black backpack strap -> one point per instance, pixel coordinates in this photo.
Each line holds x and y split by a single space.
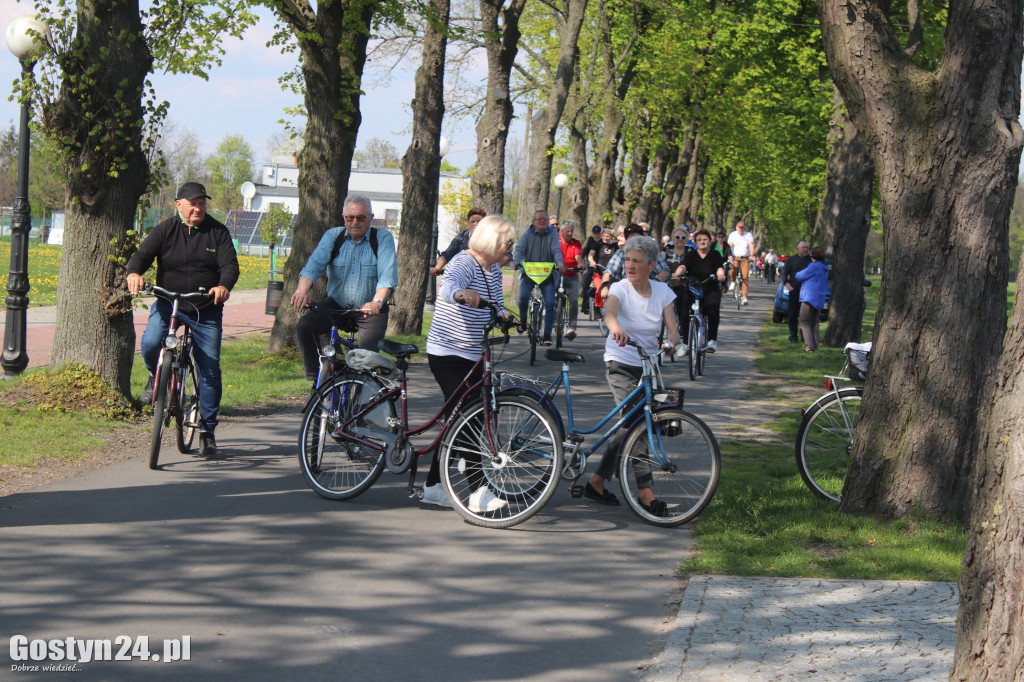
343 235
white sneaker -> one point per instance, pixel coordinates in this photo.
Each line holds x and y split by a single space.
483 501
712 346
744 300
434 494
732 285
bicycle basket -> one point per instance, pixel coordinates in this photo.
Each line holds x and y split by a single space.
363 360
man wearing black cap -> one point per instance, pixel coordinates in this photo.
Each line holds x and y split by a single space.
192 251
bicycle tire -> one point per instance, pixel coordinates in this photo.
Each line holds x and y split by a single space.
559 320
186 417
523 474
824 442
693 341
341 469
536 317
687 482
601 325
702 344
160 393
737 292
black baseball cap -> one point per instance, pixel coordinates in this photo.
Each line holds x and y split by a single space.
191 190
596 229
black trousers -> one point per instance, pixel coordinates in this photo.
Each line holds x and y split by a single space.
448 371
793 316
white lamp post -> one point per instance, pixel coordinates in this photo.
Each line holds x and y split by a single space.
443 147
561 182
23 36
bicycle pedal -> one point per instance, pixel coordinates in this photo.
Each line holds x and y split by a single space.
416 493
576 491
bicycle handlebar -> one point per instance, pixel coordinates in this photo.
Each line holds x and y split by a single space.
172 295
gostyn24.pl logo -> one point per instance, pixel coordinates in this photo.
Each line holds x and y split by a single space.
70 651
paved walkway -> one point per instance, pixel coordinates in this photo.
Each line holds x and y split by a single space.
244 312
747 629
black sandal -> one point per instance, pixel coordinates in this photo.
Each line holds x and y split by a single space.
603 497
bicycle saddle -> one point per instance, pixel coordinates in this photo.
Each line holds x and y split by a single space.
398 350
558 355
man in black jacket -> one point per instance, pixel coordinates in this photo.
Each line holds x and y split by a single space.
192 251
794 265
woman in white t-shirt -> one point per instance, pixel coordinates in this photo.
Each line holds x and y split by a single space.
634 309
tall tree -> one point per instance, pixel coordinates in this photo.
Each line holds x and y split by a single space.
377 153
232 163
568 19
421 173
499 24
946 146
990 623
331 38
90 93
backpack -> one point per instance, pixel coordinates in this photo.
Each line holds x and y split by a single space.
343 235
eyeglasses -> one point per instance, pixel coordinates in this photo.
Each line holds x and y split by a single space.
679 236
509 244
354 218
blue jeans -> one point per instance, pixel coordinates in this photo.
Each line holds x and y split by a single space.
206 333
548 290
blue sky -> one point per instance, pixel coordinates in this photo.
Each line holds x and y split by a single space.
243 97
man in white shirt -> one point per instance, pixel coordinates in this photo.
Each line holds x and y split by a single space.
742 244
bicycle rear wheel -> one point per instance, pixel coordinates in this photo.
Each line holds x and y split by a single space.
824 441
334 466
683 477
186 418
504 484
160 413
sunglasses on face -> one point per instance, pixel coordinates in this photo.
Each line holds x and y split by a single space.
354 218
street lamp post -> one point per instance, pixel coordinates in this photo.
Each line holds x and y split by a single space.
561 182
15 358
431 297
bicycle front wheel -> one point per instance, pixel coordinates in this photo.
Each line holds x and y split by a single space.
682 473
535 327
824 441
693 341
559 321
334 466
500 476
160 395
702 344
186 420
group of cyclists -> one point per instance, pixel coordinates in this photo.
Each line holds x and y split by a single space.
622 273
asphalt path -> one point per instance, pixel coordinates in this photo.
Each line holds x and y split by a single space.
269 581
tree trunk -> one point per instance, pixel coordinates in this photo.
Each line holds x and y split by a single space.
990 624
946 147
421 173
332 77
501 44
579 189
545 126
845 223
693 188
107 173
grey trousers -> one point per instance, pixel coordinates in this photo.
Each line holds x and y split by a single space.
622 379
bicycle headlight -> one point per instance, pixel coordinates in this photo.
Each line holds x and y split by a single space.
171 342
329 351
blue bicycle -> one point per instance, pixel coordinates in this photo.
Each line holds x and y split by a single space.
697 339
665 447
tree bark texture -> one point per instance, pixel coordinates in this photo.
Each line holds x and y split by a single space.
107 173
421 172
946 147
501 43
990 622
579 188
542 139
693 188
845 221
332 41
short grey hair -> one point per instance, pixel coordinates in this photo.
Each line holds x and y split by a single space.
645 245
359 199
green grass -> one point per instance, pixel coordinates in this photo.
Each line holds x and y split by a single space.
765 522
44 263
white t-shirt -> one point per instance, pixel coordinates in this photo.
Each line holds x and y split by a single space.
741 244
640 318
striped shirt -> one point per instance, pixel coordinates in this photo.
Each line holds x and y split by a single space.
457 329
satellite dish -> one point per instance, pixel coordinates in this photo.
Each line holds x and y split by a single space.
248 191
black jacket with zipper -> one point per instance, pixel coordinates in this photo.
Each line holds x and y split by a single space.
188 258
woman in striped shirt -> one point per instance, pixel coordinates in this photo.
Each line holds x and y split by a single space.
455 339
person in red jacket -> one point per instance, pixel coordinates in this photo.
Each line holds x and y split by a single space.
572 256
